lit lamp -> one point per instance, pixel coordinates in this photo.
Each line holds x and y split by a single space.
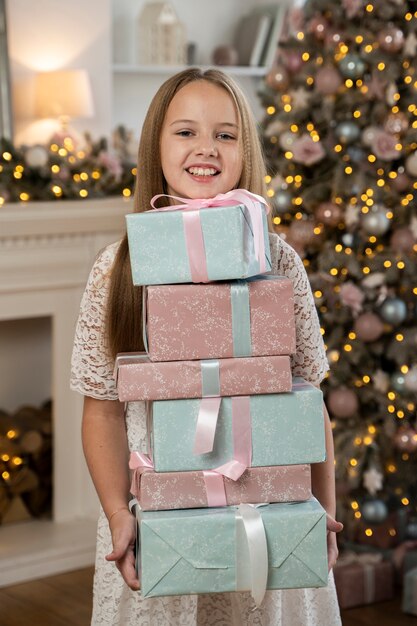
63 94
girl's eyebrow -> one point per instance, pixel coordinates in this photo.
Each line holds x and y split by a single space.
193 122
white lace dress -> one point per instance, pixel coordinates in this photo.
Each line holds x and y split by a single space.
92 368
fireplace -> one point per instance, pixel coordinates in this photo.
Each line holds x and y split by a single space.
46 251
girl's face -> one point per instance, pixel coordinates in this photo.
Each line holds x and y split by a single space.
200 145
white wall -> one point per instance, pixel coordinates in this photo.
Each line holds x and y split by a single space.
56 34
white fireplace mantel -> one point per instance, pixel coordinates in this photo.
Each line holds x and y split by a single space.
46 252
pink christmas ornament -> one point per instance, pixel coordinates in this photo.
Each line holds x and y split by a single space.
277 78
401 182
396 123
383 146
352 7
329 213
402 240
318 26
301 231
391 39
306 151
342 402
368 327
352 296
405 439
292 60
328 80
333 37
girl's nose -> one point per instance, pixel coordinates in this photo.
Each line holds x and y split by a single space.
206 148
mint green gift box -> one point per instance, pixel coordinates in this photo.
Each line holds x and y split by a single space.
287 429
158 251
206 550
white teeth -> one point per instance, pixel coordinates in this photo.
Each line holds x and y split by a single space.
199 171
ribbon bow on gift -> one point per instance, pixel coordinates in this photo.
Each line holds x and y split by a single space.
193 231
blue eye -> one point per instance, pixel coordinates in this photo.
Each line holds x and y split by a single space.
226 136
184 133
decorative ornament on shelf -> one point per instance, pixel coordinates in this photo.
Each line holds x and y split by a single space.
162 36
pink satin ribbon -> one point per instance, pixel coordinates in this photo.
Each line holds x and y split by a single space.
242 439
215 492
193 231
214 483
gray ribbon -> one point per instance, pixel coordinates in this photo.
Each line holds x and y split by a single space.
210 378
239 295
369 583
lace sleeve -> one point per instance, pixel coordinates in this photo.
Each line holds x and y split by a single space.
309 360
91 364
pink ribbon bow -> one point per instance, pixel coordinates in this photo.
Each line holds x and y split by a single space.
213 481
193 231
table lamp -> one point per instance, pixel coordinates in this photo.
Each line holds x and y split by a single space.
63 94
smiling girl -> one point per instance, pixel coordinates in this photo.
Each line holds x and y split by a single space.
199 139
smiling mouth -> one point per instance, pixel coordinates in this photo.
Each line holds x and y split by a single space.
203 171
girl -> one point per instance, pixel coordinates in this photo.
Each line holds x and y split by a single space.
198 139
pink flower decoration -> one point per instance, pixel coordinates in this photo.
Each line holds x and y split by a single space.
307 151
383 145
352 296
352 7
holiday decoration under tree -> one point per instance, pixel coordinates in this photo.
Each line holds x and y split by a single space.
340 135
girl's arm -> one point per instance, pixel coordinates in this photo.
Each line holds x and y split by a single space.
323 487
106 451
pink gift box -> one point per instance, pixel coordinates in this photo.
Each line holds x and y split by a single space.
221 320
188 490
139 378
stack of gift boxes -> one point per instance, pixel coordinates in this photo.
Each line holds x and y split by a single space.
228 428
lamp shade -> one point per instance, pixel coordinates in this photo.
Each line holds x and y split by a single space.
63 93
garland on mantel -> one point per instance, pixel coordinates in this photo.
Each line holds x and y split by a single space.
60 170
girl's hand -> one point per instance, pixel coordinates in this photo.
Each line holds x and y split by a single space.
333 527
123 532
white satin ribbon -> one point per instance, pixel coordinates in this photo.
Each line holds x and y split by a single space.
251 552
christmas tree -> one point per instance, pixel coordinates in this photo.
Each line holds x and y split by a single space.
340 135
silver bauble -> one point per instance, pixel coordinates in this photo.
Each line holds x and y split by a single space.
352 66
397 381
348 132
283 200
36 156
393 311
374 511
375 222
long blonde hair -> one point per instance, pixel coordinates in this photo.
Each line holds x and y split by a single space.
124 308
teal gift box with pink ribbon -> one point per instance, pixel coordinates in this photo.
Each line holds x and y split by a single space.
199 241
246 431
235 548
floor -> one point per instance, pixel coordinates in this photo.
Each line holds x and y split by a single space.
65 600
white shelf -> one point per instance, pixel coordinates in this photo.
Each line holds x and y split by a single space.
30 550
173 69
